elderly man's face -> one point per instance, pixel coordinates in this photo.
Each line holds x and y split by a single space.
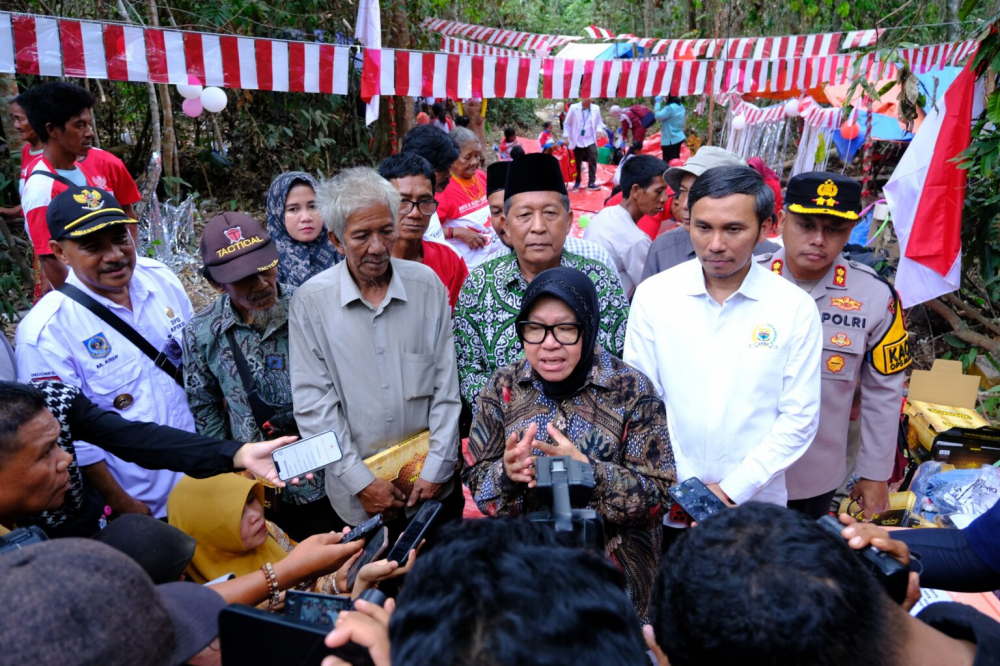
537 225
254 292
369 236
34 474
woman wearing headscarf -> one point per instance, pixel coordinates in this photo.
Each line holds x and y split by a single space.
294 223
225 515
570 397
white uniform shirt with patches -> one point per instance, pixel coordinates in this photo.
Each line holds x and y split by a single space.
61 340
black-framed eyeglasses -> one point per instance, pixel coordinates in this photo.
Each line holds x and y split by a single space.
534 332
426 206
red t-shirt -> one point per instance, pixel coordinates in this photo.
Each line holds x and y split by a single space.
465 205
27 161
448 266
110 174
39 191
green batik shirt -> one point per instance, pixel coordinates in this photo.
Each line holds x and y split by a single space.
215 392
488 306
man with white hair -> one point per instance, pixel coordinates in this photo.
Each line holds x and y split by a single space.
372 355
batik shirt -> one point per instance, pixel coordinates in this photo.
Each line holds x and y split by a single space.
490 302
216 394
618 421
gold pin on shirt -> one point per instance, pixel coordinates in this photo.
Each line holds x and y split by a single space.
170 312
124 401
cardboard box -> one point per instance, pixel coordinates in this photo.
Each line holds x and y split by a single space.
940 399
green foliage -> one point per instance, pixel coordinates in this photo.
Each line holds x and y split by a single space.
520 113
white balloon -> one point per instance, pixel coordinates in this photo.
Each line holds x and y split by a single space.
213 99
188 91
739 122
792 108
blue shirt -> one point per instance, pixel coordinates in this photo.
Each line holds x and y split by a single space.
984 537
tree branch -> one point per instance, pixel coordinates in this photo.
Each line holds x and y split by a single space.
961 329
972 312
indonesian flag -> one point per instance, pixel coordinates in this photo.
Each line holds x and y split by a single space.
926 193
368 31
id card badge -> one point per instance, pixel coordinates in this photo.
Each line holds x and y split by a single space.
582 132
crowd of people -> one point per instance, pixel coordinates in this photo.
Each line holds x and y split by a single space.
430 296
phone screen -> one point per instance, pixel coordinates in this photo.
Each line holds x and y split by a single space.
374 548
307 455
318 609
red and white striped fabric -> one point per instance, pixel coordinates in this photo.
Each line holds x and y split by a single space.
922 59
36 45
6 45
125 50
861 38
497 36
596 32
464 46
413 73
83 49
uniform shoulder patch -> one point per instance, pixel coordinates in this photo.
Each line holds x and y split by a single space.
892 353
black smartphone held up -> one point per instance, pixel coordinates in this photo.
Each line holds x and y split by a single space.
894 576
376 546
307 455
414 532
364 528
277 639
318 609
696 499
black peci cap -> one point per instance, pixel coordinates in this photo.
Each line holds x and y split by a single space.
536 172
496 177
78 211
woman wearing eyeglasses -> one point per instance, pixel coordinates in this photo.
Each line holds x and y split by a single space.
413 178
570 397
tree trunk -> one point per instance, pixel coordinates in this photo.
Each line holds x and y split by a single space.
8 91
399 37
951 16
648 11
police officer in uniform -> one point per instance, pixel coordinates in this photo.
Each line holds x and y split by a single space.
61 339
865 343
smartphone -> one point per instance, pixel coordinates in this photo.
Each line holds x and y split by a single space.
307 455
414 532
277 639
318 609
696 499
372 552
364 528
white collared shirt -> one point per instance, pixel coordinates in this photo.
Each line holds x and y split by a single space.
63 341
741 380
614 229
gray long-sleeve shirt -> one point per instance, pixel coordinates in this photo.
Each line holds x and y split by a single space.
376 374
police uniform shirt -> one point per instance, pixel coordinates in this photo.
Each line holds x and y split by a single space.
864 340
61 340
740 380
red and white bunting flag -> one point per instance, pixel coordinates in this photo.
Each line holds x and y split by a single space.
83 49
861 38
165 56
36 45
926 193
597 32
125 50
6 45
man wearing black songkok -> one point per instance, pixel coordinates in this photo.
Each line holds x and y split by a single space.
537 222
